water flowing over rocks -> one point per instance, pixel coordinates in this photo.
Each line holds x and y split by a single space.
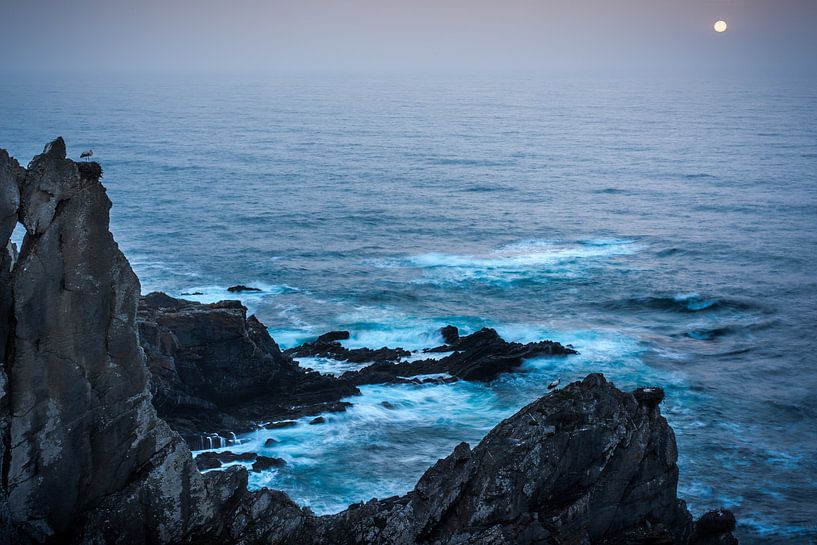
86 459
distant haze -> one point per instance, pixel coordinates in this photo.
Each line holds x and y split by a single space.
447 35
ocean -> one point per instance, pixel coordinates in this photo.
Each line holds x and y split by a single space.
667 229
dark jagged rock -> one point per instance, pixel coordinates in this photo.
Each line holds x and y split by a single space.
651 396
86 459
450 333
214 368
210 460
265 462
715 528
11 177
333 336
481 356
317 420
86 452
241 288
204 463
327 346
270 442
587 464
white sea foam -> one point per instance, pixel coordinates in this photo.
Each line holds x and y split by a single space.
526 260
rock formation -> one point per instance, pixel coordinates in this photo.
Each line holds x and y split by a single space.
86 459
481 356
214 370
85 456
328 346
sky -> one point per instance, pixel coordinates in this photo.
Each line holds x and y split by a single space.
764 36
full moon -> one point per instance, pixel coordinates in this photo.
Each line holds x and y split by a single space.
720 26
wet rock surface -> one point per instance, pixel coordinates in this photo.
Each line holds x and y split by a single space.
210 460
328 346
450 334
586 464
213 368
262 463
86 459
715 528
481 356
240 288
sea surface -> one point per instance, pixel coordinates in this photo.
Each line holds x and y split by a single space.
665 228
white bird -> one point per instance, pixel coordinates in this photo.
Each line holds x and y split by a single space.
87 153
554 384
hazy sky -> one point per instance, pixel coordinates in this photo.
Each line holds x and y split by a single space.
270 35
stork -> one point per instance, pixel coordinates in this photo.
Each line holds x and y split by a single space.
86 154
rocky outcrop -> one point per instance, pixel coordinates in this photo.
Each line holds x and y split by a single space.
481 356
216 371
715 528
86 459
450 334
586 464
328 346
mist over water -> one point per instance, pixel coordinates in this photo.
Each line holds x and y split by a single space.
666 229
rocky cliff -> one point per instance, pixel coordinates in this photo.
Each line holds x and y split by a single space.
216 372
86 459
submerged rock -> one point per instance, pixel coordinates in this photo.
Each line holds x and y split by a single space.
241 288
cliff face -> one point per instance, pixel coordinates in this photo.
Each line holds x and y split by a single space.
84 444
86 459
215 370
10 179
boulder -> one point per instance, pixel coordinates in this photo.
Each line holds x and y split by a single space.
715 528
265 462
450 334
649 396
